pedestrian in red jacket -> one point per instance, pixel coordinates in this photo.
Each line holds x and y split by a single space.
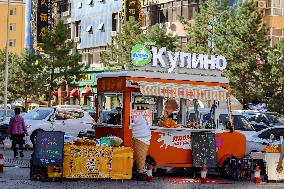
17 131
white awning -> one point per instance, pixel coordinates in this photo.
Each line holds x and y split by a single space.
183 91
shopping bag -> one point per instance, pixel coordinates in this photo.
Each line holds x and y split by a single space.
7 143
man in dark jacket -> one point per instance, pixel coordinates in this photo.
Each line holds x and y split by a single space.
17 130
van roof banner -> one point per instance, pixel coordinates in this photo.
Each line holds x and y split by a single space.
183 91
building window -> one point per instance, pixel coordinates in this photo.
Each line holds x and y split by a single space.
96 57
275 8
89 28
90 59
79 5
77 28
12 43
12 11
12 27
114 21
101 27
90 2
277 32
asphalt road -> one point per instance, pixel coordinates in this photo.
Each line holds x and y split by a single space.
16 176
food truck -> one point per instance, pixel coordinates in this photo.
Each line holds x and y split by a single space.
124 95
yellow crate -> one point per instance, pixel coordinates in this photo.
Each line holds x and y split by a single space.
122 162
54 174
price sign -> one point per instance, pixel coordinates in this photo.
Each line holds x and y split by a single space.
49 148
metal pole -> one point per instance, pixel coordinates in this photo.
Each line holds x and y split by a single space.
6 63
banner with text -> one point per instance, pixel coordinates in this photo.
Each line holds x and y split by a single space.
44 18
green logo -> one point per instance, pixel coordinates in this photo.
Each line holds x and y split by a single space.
140 55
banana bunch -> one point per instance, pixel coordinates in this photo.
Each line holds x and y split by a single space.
84 142
270 149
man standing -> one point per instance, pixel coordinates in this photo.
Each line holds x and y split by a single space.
17 131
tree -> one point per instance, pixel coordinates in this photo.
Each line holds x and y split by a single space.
272 78
118 54
236 32
14 74
161 38
33 79
56 59
24 78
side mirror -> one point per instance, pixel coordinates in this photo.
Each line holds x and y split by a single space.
229 126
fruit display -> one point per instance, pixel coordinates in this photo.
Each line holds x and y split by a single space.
270 149
84 142
168 123
193 125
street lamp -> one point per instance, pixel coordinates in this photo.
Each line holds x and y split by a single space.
6 64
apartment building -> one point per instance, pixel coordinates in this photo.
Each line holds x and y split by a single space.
166 13
16 25
274 18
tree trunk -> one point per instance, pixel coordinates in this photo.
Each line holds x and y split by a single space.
26 102
51 86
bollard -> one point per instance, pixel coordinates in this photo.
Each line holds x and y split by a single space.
203 172
149 173
1 163
256 177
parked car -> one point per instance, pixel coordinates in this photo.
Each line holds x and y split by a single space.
92 113
261 120
241 124
258 141
10 113
69 120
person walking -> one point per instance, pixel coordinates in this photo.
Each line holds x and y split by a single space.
17 131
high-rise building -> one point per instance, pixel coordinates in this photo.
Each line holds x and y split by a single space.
274 18
92 25
166 13
16 25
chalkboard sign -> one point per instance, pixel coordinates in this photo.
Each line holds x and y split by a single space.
49 148
204 149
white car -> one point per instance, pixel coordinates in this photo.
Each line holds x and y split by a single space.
258 141
69 120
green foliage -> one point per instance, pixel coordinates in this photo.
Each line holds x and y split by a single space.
237 33
118 54
24 79
272 78
14 75
56 60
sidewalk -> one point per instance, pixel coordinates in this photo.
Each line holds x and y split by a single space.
16 176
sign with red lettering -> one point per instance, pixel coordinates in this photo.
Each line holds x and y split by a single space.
111 84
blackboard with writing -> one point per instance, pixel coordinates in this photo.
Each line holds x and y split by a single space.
49 148
204 149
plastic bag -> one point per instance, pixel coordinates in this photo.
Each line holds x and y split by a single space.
115 141
7 143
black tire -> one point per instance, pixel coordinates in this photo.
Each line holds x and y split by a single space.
33 136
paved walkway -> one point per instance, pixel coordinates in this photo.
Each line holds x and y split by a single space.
16 176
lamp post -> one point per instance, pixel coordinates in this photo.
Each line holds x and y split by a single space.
6 64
